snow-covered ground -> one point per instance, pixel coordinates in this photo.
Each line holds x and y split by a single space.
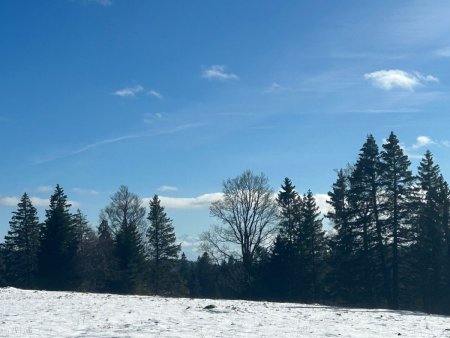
25 313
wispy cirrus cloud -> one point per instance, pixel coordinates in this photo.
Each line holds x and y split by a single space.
44 188
176 129
218 72
129 91
396 78
151 118
274 88
106 141
83 191
173 130
156 94
443 52
104 3
164 188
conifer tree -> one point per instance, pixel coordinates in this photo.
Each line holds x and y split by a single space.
445 198
342 242
22 244
397 190
289 203
365 196
59 244
284 261
87 243
431 232
163 248
105 260
365 238
312 248
206 278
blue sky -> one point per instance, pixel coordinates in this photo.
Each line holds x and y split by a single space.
172 97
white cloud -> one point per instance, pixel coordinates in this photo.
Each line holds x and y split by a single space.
176 129
218 72
107 141
396 78
199 202
44 188
150 118
37 201
104 3
443 52
9 201
205 200
156 94
82 191
321 201
167 188
422 141
129 91
274 87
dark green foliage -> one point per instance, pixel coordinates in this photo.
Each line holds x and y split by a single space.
432 221
206 277
289 203
87 245
59 245
396 181
389 245
21 245
283 273
312 249
162 247
106 274
368 227
2 266
342 275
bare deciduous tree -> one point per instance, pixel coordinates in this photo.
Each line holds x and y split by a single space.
247 213
124 210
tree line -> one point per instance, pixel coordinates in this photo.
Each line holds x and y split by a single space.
388 244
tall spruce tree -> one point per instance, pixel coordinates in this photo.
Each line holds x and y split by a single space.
444 196
431 232
341 278
289 203
162 245
87 243
367 194
59 245
397 182
284 265
22 244
360 203
105 260
312 248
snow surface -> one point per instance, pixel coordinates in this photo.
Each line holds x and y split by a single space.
27 313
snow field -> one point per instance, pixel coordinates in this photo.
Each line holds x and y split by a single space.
28 313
